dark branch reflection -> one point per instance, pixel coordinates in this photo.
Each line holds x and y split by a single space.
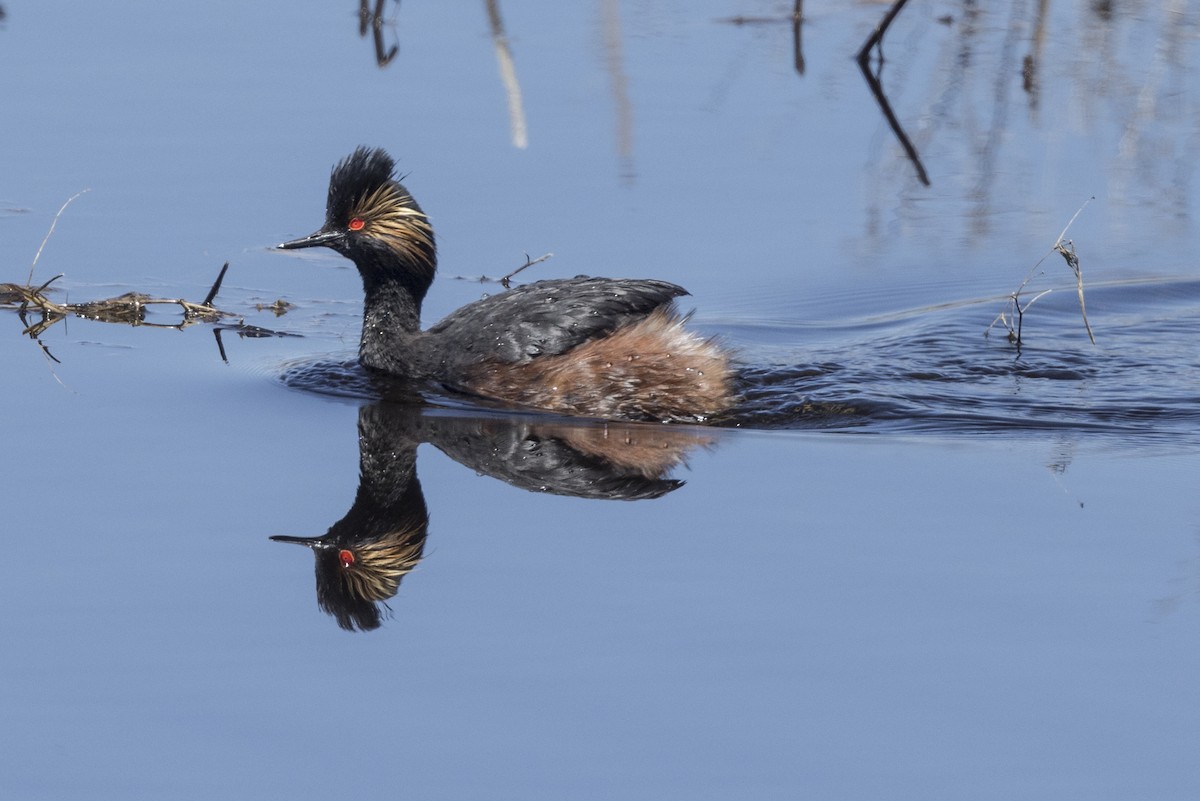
795 19
362 559
370 20
797 37
874 79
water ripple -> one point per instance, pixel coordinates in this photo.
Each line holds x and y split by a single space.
931 370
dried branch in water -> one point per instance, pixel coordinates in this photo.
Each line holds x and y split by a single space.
1012 316
216 287
129 309
506 281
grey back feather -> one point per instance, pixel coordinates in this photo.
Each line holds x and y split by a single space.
549 317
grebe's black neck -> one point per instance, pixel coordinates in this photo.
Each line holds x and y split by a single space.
391 320
371 219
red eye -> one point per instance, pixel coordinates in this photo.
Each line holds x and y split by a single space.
346 558
356 224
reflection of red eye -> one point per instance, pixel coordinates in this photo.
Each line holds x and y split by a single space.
356 224
346 557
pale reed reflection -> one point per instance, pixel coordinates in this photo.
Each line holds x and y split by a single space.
610 14
508 75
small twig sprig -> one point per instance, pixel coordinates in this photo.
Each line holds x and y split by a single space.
1013 315
506 281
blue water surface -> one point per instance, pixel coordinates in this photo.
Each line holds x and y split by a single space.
918 563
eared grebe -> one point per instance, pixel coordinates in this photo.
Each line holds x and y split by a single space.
601 347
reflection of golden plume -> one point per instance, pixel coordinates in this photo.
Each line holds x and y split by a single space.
374 569
359 567
362 559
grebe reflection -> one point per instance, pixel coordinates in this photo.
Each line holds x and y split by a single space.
362 559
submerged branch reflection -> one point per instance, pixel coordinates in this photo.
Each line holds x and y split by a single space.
372 20
1033 59
361 560
874 80
795 19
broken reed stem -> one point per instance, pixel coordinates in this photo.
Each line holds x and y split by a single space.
46 238
1068 253
216 287
1072 221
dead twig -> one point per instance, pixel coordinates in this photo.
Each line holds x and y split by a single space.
216 287
506 281
1013 315
129 308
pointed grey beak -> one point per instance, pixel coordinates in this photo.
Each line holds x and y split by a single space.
310 542
319 239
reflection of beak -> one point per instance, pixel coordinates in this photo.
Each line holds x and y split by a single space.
312 542
319 239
